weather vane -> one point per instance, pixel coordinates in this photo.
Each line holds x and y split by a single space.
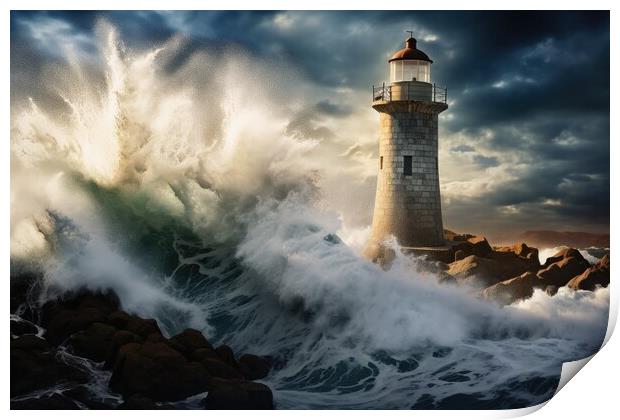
410 34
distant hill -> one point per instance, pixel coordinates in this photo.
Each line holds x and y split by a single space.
551 238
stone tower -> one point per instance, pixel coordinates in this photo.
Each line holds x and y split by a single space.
407 202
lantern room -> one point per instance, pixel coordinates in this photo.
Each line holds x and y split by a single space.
410 64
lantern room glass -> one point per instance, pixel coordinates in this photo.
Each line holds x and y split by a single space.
409 70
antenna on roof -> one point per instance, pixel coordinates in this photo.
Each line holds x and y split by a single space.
410 34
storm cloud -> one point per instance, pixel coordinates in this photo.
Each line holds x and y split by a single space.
524 144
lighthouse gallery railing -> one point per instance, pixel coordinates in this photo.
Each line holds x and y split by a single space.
384 93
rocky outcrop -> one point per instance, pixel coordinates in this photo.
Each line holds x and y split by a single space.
509 291
559 269
147 368
34 366
593 277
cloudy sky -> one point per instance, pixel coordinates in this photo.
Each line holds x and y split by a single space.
524 144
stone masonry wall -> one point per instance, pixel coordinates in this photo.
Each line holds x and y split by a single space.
408 206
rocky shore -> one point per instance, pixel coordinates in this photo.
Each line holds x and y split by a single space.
144 369
82 351
506 274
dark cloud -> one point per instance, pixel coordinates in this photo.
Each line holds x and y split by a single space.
537 81
462 148
485 161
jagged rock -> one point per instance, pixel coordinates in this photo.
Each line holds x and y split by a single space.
475 271
75 312
142 327
48 402
189 341
480 246
562 267
226 394
253 367
227 355
95 343
562 254
597 275
219 369
509 291
157 371
118 319
34 366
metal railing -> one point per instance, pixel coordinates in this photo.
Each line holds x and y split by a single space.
384 93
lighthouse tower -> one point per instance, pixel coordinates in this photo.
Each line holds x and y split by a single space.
407 202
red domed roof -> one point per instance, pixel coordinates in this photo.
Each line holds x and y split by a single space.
410 52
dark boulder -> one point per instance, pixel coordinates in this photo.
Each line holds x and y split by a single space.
95 343
253 367
75 312
219 369
34 366
189 341
226 394
142 327
118 319
593 277
227 355
158 371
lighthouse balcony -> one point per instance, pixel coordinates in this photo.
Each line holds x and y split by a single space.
409 91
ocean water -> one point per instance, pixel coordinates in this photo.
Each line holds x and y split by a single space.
203 213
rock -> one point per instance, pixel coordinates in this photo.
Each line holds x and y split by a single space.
190 340
118 319
219 369
142 327
480 246
157 371
225 394
459 255
564 253
21 327
140 402
475 271
48 402
203 353
509 291
34 366
593 277
562 267
95 343
75 312
253 367
227 355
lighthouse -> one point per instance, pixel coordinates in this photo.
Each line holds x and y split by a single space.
407 200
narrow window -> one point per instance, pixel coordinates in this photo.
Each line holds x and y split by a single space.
407 168
381 162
